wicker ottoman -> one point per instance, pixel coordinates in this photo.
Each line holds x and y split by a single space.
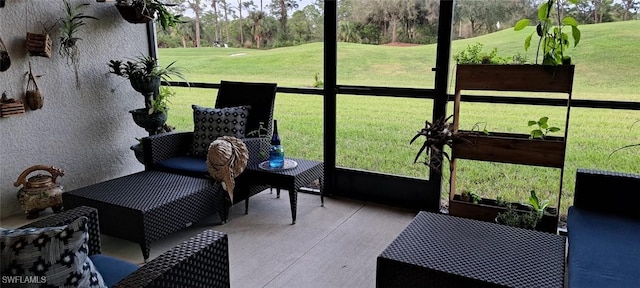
149 205
438 250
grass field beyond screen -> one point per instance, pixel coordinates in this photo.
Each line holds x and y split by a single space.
374 132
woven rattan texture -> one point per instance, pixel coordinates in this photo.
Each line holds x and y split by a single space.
66 217
202 261
149 205
165 146
454 250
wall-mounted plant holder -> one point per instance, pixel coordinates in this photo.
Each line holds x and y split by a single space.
39 44
33 96
10 107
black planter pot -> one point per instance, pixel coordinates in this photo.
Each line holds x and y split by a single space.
137 150
133 14
152 122
145 85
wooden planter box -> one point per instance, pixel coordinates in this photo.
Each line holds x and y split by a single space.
535 78
39 44
511 148
488 210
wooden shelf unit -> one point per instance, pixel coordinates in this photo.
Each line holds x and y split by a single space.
508 147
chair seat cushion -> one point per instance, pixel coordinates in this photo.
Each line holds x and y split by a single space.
113 270
604 250
188 165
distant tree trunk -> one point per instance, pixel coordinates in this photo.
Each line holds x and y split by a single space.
226 20
216 25
196 10
240 22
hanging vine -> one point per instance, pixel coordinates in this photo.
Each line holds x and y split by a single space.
71 25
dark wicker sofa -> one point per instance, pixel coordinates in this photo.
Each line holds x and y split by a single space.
202 261
604 230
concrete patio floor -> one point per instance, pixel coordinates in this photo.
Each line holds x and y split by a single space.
331 246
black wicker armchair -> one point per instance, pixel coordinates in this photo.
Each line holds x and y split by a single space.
202 261
170 152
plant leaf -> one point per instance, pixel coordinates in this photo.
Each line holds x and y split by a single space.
536 133
568 20
527 42
543 11
574 1
543 120
576 35
521 24
531 122
554 129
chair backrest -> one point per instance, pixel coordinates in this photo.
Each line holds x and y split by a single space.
260 96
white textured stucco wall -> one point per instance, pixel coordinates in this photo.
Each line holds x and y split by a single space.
85 131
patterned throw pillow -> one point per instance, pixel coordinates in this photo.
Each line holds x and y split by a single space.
211 123
48 257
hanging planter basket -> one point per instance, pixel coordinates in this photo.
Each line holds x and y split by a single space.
5 61
39 44
33 96
134 14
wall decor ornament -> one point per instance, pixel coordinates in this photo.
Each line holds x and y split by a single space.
10 107
33 96
39 44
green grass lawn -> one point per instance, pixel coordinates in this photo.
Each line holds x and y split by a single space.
374 132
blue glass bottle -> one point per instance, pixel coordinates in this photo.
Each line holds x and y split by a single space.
276 152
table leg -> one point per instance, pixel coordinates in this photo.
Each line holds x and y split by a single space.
321 192
293 200
145 251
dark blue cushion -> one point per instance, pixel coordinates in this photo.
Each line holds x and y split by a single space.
604 249
112 269
184 165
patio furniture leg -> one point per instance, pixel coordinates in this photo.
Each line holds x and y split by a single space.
321 192
145 250
277 192
293 200
246 206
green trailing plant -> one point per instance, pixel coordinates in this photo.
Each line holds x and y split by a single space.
627 146
542 128
521 219
553 41
537 205
155 9
145 67
160 102
70 26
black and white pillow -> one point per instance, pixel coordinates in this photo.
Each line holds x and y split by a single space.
51 257
211 123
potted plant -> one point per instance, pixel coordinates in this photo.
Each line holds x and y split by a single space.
143 11
145 76
71 24
552 42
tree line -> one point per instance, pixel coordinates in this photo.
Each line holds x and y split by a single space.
277 23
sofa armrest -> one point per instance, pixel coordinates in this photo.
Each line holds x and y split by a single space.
202 261
68 216
594 189
164 146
